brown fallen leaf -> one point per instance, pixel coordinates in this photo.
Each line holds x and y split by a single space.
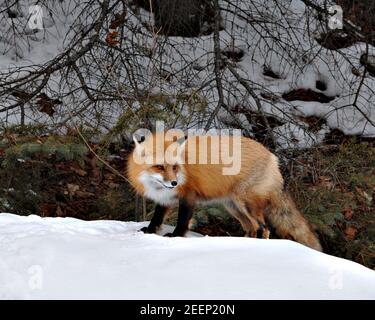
350 233
111 38
118 21
46 104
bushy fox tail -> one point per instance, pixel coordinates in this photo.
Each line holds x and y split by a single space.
289 223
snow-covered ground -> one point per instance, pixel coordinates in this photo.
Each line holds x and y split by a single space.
53 258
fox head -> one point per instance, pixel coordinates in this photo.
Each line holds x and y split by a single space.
163 175
159 167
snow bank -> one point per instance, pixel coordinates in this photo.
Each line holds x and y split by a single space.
65 258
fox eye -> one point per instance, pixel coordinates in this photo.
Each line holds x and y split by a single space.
159 167
174 167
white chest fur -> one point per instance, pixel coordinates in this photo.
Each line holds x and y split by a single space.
156 192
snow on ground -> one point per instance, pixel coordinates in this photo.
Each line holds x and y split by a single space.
52 258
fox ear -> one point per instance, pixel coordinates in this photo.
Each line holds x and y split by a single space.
135 140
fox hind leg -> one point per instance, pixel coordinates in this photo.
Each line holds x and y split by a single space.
239 211
257 207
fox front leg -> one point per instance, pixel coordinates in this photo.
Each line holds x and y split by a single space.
185 212
157 219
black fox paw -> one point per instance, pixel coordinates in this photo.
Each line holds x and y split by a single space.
173 235
147 230
169 234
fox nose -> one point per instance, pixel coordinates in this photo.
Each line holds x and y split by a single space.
174 183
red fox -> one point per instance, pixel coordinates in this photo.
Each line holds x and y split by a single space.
255 196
